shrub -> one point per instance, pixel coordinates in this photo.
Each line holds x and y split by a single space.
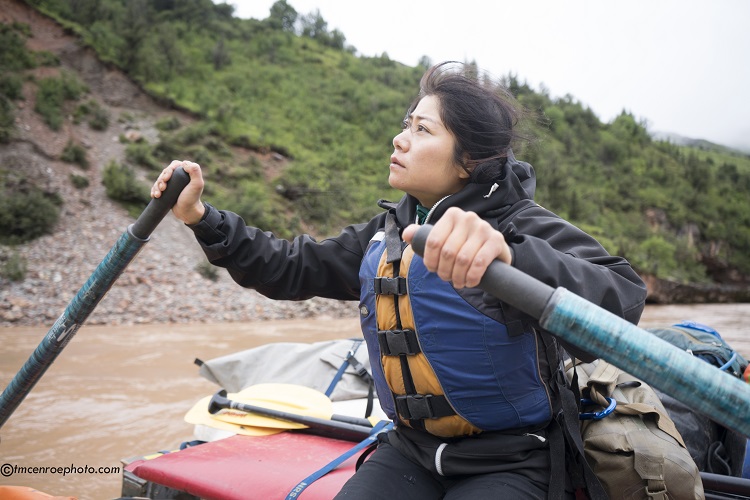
12 266
126 118
46 58
208 271
52 94
167 148
99 119
199 154
75 153
254 204
27 214
49 103
82 111
11 86
121 185
7 120
79 181
169 123
14 55
72 88
140 153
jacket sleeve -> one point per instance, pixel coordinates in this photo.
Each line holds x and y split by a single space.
282 269
561 255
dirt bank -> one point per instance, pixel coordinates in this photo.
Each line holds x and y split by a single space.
162 284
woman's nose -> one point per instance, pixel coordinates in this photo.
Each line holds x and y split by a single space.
400 142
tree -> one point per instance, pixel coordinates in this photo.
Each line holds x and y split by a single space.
220 55
283 16
85 12
314 26
336 39
134 29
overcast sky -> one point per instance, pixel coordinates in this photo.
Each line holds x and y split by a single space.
682 66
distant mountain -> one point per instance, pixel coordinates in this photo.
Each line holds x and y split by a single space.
681 140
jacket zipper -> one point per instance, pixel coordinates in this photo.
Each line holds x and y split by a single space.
427 217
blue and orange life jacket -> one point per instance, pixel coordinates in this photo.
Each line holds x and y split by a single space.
441 363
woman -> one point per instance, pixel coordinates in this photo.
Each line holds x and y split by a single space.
467 380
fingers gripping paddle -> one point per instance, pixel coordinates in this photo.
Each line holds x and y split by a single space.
90 294
698 384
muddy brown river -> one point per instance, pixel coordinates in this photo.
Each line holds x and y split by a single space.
120 392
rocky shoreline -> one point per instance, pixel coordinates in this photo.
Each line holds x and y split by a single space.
161 285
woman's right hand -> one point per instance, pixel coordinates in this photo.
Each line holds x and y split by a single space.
189 207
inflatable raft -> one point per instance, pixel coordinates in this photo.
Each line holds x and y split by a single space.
240 455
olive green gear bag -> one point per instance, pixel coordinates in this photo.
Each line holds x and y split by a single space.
629 440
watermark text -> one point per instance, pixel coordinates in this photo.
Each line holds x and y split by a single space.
8 469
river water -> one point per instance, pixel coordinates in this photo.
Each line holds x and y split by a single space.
121 392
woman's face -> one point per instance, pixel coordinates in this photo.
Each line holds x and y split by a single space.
422 163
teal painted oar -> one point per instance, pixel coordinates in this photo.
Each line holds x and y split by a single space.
699 385
87 298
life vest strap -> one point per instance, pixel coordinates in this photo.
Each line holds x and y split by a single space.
390 286
423 406
398 342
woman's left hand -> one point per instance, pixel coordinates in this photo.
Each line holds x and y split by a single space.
461 246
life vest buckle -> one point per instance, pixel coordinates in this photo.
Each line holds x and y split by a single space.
398 342
423 406
390 286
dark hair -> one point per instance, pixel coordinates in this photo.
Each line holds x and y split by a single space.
482 118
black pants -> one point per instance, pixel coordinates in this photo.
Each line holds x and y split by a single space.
389 475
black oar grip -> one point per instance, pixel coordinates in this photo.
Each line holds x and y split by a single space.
505 282
158 208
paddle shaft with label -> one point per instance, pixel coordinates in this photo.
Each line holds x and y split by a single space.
91 293
699 385
330 428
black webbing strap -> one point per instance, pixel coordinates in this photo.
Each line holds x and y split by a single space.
567 457
423 406
572 432
394 249
364 375
397 342
392 238
390 286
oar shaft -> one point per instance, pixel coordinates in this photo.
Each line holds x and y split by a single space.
331 428
352 420
694 382
88 297
699 385
66 326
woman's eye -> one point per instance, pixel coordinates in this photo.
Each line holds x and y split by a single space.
408 124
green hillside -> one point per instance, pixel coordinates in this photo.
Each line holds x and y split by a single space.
287 85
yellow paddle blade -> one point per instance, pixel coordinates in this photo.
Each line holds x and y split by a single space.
198 415
289 398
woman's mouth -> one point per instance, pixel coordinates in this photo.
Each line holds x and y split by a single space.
395 162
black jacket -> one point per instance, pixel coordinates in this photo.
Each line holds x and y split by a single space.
543 246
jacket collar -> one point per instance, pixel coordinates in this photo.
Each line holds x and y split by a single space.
517 182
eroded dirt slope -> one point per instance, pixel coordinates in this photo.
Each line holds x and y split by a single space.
162 284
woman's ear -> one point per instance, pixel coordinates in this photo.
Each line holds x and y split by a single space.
464 172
